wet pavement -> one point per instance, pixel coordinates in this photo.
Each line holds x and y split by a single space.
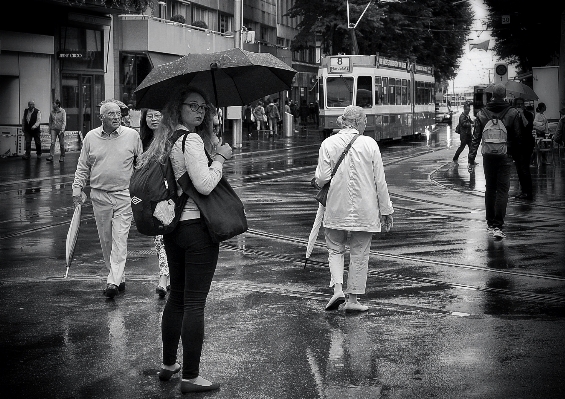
452 313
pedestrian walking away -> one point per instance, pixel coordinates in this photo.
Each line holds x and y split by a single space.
559 136
499 140
30 126
260 116
358 203
150 120
57 124
191 253
465 131
273 115
524 152
107 159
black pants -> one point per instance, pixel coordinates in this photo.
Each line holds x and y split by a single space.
192 258
465 141
521 158
35 135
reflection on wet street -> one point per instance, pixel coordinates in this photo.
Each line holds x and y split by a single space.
452 313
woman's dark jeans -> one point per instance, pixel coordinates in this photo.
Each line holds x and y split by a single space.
192 258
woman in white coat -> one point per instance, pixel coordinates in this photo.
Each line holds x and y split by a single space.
358 202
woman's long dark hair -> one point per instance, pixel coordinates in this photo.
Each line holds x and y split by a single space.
161 145
145 132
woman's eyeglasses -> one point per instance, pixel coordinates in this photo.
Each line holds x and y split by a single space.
195 107
154 116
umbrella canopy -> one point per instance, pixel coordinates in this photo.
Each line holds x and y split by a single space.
516 89
72 236
231 77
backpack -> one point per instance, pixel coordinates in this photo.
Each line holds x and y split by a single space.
272 111
151 184
495 135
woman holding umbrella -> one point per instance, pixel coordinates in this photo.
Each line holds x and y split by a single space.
191 253
358 203
150 119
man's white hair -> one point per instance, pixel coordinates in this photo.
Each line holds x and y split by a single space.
352 117
107 106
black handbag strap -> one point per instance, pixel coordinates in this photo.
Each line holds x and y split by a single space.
343 155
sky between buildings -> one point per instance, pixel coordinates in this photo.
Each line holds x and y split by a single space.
476 65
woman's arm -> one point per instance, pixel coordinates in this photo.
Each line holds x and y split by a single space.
204 177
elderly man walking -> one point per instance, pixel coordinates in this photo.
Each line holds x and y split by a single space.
497 165
107 157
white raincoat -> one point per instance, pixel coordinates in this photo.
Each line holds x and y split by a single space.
358 193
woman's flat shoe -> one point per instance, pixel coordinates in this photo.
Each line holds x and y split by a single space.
161 291
355 307
165 375
335 301
187 387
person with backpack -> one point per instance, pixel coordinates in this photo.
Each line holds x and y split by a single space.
186 138
273 116
149 122
465 127
498 130
107 158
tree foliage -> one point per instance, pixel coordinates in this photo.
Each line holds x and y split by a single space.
127 5
532 37
430 32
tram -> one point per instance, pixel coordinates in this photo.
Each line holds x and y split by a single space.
398 97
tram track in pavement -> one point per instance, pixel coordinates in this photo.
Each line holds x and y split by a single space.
285 290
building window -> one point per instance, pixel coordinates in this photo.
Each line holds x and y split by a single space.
134 67
225 23
206 15
81 48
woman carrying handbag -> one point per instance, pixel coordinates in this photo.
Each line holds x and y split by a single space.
191 253
357 203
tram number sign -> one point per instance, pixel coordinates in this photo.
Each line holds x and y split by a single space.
505 19
340 64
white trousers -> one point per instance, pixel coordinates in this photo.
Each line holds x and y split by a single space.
359 246
113 214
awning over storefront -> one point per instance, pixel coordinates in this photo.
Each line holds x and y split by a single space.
161 58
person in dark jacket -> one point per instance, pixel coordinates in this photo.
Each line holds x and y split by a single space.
524 152
31 129
465 134
497 167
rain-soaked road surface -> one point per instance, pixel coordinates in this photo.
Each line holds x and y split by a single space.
453 314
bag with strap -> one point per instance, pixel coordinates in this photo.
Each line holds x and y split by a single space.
222 210
495 135
458 129
154 201
322 196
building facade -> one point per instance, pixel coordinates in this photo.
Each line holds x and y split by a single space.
82 52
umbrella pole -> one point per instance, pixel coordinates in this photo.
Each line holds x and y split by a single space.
214 85
67 272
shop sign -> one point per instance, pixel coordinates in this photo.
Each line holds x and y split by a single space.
71 55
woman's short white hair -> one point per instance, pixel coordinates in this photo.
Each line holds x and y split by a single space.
352 117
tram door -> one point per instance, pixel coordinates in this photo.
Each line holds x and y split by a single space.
81 94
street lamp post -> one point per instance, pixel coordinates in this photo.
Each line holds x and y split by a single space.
237 114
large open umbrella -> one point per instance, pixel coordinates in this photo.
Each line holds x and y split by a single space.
516 89
231 77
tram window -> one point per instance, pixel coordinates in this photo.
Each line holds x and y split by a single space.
391 83
378 90
409 89
398 92
404 92
385 91
364 98
339 91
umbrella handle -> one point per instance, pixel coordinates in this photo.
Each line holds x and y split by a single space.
305 262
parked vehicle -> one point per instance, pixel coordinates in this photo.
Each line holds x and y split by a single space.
444 114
